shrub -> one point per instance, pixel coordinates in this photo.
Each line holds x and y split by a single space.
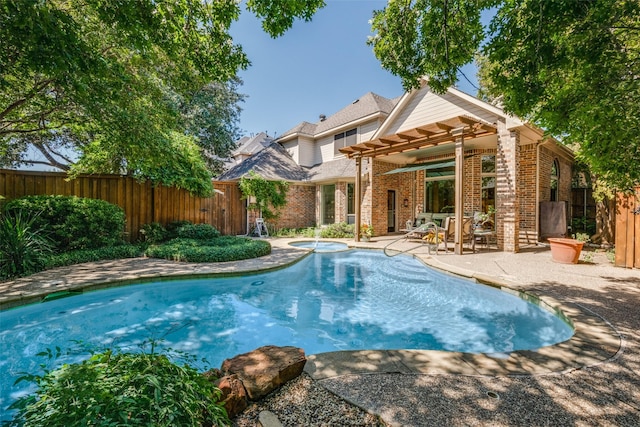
23 246
91 255
198 231
154 233
226 248
174 226
294 232
74 222
337 230
110 389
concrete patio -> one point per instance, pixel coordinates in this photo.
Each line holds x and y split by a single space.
592 379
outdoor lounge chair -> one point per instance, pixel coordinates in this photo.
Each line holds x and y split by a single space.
428 233
419 232
467 232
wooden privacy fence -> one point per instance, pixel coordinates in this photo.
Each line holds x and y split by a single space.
628 230
142 203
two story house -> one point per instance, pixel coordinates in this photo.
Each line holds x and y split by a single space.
389 162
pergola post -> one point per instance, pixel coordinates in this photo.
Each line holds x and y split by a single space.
458 134
358 196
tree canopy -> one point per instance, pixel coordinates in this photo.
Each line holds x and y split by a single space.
572 67
137 87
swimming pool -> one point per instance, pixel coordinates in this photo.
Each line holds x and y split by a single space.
351 300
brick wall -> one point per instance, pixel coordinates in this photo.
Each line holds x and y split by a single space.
402 184
299 212
527 185
472 184
547 157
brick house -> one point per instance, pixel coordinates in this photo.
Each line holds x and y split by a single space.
420 153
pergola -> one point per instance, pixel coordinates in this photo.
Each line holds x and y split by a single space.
453 130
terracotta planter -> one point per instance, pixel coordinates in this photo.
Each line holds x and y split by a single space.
565 251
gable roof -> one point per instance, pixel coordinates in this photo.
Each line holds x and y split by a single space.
454 96
303 128
369 104
272 163
251 145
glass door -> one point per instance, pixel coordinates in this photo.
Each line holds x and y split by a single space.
328 204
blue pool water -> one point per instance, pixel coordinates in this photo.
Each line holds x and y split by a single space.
328 301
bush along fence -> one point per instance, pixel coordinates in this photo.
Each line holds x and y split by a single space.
142 203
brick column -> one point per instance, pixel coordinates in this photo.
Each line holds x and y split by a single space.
507 202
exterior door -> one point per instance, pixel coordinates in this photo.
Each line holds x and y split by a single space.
328 204
391 211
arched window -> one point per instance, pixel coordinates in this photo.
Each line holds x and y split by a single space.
555 178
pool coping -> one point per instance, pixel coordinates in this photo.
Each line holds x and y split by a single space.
595 341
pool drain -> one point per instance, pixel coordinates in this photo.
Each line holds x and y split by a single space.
493 395
258 283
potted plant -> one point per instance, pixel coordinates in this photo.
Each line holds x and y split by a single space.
565 250
366 232
484 221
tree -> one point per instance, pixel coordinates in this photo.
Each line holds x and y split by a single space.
107 79
572 67
211 116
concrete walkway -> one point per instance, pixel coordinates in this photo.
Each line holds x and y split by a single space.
592 379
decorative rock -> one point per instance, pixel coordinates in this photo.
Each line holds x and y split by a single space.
268 419
266 368
234 396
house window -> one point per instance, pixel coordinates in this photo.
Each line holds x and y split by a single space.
439 187
439 195
555 177
351 204
488 183
344 139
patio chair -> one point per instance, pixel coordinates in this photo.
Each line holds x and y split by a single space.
467 232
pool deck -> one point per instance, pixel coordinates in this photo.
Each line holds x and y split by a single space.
591 379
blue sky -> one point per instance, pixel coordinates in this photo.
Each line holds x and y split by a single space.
315 68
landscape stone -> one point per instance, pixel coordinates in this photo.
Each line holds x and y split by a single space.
266 368
234 396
